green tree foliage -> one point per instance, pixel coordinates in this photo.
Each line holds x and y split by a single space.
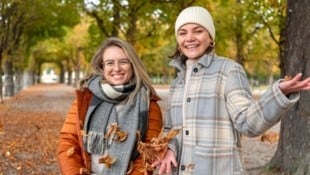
48 18
25 22
76 42
148 25
247 31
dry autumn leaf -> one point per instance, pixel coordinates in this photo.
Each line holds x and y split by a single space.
156 149
115 133
83 132
70 151
1 128
287 77
120 136
107 160
112 128
130 169
84 171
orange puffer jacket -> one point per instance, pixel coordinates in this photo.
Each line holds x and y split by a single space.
72 159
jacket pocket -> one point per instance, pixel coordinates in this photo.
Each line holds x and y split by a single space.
217 160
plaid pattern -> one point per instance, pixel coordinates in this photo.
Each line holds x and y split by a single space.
215 108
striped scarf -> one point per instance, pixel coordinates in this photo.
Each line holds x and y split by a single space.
104 110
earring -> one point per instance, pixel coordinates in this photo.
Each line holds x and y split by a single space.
212 44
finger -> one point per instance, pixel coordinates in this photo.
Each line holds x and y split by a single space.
298 76
307 81
162 168
302 85
174 162
156 163
294 79
168 168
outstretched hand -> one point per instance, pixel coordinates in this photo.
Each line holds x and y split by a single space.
295 84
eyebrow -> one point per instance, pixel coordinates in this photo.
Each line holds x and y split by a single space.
109 59
196 27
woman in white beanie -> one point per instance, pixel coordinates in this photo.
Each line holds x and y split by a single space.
210 100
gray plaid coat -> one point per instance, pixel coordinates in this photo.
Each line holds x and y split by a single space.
215 108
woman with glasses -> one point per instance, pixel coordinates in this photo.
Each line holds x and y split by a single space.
115 106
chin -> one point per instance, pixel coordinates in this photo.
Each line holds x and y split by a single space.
120 83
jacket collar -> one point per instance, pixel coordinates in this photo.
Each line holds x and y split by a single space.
205 60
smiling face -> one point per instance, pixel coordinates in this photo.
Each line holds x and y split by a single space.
193 40
117 68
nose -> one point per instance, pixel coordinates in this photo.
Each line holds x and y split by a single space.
189 37
116 66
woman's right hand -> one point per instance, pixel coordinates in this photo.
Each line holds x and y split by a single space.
294 84
164 165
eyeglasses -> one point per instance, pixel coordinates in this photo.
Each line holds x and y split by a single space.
121 62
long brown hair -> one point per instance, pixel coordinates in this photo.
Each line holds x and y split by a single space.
140 75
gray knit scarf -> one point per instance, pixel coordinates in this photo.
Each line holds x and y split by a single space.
102 112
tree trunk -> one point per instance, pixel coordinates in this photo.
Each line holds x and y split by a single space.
69 81
8 79
1 87
19 79
62 73
293 153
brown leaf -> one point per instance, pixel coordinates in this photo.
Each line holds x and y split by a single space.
191 166
112 129
120 136
12 145
156 149
107 160
130 169
70 151
287 77
83 132
84 171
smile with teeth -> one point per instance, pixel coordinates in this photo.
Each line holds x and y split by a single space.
117 76
192 46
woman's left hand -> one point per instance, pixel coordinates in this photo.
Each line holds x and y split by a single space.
295 84
165 164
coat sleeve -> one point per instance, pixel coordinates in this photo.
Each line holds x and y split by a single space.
250 117
155 126
69 151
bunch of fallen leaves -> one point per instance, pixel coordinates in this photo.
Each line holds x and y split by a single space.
114 133
156 148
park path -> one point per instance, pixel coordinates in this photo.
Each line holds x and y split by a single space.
29 126
31 120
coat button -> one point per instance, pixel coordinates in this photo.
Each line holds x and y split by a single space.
186 132
188 99
182 167
195 69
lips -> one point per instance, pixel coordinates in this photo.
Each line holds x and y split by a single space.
118 76
192 46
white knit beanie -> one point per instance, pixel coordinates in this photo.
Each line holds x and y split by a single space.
197 15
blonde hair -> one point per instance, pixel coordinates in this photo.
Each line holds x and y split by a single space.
140 75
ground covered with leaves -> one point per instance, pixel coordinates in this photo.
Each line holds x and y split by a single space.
29 126
30 123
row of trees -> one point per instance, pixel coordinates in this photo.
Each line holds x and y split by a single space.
67 32
23 24
268 37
